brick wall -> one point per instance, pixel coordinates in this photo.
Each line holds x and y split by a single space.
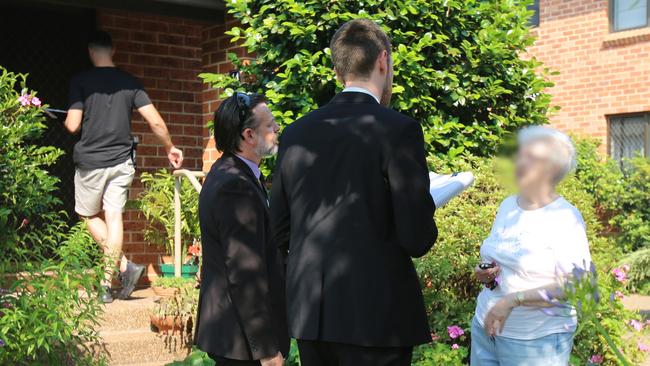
601 73
166 54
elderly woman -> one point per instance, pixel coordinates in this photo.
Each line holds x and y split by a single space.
537 239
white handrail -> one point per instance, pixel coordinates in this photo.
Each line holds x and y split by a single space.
178 176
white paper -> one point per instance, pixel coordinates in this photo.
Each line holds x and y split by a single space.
445 187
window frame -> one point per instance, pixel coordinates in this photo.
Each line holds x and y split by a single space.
612 17
535 7
621 117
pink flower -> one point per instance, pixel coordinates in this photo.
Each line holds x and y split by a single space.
25 99
643 347
455 331
637 325
36 102
596 359
619 295
455 346
625 267
620 274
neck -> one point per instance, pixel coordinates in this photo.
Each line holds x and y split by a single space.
104 63
368 85
251 156
535 198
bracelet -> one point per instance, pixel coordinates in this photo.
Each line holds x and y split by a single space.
519 296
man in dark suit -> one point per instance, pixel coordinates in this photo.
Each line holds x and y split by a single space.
350 206
241 319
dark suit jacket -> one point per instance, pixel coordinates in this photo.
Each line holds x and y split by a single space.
350 206
242 300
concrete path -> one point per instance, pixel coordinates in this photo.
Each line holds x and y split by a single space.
128 339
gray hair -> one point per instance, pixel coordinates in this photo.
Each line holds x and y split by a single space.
565 151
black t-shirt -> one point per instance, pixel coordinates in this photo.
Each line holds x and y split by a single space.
107 96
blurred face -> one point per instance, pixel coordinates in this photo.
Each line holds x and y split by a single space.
266 132
535 168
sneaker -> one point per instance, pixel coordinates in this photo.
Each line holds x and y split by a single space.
105 295
129 279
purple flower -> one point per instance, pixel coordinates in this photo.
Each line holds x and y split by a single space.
596 359
25 99
455 346
455 331
643 347
637 325
2 343
36 102
620 274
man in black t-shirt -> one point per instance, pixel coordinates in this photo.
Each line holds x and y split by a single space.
101 102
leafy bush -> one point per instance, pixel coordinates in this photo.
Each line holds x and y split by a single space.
457 63
173 282
48 275
157 205
450 288
639 275
622 196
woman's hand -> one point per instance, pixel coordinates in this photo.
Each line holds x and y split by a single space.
487 275
496 317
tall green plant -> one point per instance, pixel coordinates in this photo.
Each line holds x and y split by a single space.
458 64
48 274
157 205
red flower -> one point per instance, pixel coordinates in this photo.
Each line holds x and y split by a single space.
195 250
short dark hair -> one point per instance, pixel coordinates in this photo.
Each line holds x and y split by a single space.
356 46
228 125
100 39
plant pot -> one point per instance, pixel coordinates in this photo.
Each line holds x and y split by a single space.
166 324
187 270
165 291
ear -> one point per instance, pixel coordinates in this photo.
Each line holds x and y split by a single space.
339 78
247 134
382 62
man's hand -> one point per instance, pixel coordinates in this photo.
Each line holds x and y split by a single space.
487 275
497 316
175 157
276 360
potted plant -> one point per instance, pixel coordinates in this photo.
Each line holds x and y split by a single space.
157 205
175 314
190 266
170 286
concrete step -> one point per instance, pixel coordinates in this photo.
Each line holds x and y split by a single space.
127 338
133 347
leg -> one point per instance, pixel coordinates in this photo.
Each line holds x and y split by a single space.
114 240
316 353
551 350
483 351
351 355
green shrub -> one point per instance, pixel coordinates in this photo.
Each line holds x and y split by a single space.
157 204
48 274
458 68
450 288
639 274
173 282
622 196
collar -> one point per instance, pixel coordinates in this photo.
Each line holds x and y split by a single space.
253 167
357 89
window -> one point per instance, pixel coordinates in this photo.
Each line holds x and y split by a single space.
629 135
628 14
534 19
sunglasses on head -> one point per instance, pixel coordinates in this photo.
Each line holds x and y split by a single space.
243 106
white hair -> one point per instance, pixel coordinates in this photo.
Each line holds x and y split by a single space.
565 151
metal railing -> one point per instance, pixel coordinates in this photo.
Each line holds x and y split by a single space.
193 177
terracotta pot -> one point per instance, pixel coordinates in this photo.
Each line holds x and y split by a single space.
165 291
166 324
